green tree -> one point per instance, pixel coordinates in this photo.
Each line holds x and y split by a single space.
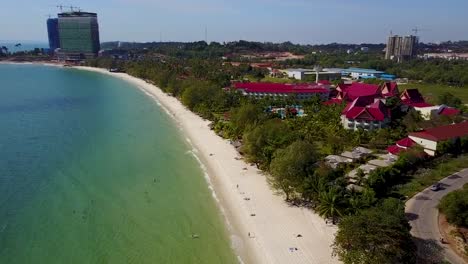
246 115
375 235
320 181
455 207
261 143
449 99
330 204
291 166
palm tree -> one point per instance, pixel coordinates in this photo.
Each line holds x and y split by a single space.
329 206
355 204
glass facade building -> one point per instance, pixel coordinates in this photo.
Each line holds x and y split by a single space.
78 34
53 34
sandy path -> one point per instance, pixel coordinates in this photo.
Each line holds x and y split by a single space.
275 225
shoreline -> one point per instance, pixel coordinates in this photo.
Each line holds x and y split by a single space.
275 224
262 227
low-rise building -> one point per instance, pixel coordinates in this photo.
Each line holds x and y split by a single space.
431 137
334 160
412 99
311 74
446 56
359 73
433 111
356 154
381 162
302 91
350 92
400 146
389 89
365 113
365 168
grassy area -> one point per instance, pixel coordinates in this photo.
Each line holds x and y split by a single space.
424 178
432 91
278 80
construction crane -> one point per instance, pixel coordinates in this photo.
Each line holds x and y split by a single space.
416 30
60 7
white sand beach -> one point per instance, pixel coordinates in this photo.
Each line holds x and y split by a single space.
245 198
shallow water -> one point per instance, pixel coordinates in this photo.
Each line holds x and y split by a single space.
93 171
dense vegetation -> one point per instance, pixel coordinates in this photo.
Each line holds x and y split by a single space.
291 149
455 207
376 235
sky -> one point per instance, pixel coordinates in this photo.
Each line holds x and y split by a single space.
298 21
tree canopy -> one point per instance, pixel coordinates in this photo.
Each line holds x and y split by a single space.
455 207
291 166
376 235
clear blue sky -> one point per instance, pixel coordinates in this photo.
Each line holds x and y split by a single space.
299 21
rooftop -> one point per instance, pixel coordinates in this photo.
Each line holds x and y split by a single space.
300 70
395 150
443 132
381 163
350 92
77 14
363 108
252 87
448 111
405 143
360 70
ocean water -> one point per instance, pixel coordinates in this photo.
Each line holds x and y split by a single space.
93 171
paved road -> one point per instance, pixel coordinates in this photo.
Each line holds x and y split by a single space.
422 213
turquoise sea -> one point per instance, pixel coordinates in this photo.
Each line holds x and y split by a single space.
93 171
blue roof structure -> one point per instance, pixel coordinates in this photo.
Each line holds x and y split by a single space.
360 70
388 77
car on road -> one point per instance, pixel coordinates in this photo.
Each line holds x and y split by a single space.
436 187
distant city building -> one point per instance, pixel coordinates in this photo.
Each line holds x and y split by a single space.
79 35
446 56
53 34
401 48
115 54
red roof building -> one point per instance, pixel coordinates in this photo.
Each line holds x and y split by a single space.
401 145
448 111
350 92
389 89
430 111
413 98
366 113
430 137
405 143
395 150
301 91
